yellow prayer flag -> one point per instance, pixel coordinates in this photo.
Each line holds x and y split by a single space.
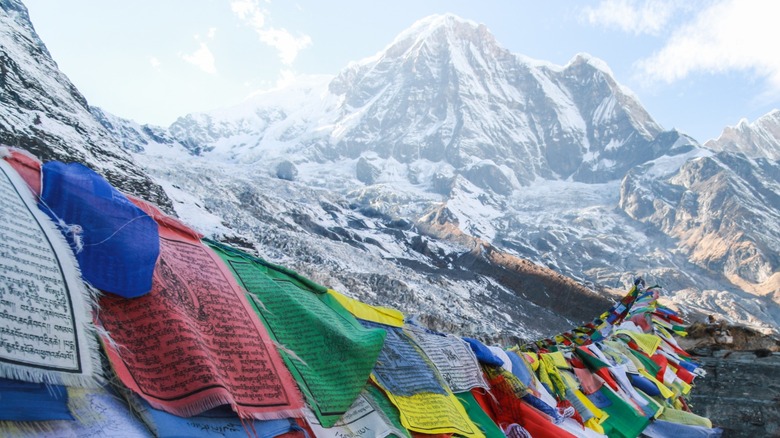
432 414
600 415
665 392
594 424
683 417
646 341
381 315
559 360
532 359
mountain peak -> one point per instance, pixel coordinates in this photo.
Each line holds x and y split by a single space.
586 58
431 24
445 30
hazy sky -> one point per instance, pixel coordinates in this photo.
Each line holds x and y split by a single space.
696 65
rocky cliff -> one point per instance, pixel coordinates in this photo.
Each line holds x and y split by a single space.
741 392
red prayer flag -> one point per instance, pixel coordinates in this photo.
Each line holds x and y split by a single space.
194 342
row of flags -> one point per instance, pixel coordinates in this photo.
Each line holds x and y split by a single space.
117 319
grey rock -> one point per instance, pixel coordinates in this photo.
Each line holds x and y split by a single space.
366 172
286 170
489 177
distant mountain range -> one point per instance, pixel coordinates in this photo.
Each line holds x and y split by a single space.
482 191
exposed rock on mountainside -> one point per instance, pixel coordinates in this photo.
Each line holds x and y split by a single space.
722 210
533 281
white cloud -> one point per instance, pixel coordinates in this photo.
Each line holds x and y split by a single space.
250 12
155 63
633 16
729 35
211 33
283 41
202 58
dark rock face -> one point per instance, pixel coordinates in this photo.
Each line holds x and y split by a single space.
740 393
366 172
489 177
530 282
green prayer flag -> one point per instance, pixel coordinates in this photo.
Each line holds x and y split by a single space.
329 353
478 416
652 367
624 421
592 362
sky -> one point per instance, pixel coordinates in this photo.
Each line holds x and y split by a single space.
696 65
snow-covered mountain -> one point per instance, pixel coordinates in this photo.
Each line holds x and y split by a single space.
382 260
760 139
43 112
453 179
444 92
447 129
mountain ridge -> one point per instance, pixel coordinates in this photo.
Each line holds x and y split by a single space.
759 139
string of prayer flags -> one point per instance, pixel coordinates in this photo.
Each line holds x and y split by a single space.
635 377
116 243
194 342
327 350
595 330
45 333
